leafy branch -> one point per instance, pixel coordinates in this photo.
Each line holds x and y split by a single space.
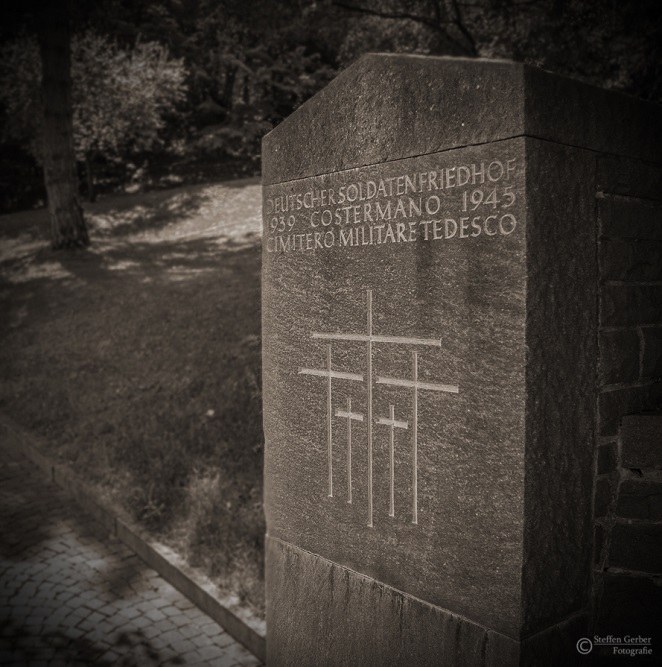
440 23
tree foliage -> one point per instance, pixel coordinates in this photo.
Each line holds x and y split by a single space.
610 44
270 86
233 69
121 97
250 64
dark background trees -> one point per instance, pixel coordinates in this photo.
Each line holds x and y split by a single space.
245 66
48 97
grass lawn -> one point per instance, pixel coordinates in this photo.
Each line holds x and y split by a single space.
139 361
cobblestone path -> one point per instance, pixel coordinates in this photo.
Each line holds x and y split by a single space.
72 595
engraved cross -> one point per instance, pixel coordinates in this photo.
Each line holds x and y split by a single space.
415 384
349 415
393 423
329 374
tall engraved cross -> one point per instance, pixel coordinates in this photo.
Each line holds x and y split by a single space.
370 339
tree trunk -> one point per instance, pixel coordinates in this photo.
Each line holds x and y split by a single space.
67 223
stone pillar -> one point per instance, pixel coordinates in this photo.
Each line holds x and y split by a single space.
430 332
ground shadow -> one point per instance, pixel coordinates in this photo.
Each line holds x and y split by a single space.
32 512
139 359
131 215
25 644
22 510
226 211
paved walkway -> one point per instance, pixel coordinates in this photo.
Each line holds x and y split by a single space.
72 595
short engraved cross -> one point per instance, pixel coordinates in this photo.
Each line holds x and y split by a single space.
393 423
356 416
416 385
328 373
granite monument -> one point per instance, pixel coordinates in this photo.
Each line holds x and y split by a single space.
431 321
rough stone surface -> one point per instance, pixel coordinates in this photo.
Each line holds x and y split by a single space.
469 294
626 305
631 259
619 175
651 363
501 650
599 537
553 646
623 404
465 293
630 219
566 111
71 594
458 102
344 114
607 458
605 493
630 605
619 356
637 547
325 610
556 645
642 441
561 321
640 499
502 466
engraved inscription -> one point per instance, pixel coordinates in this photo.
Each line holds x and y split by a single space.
412 383
445 203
